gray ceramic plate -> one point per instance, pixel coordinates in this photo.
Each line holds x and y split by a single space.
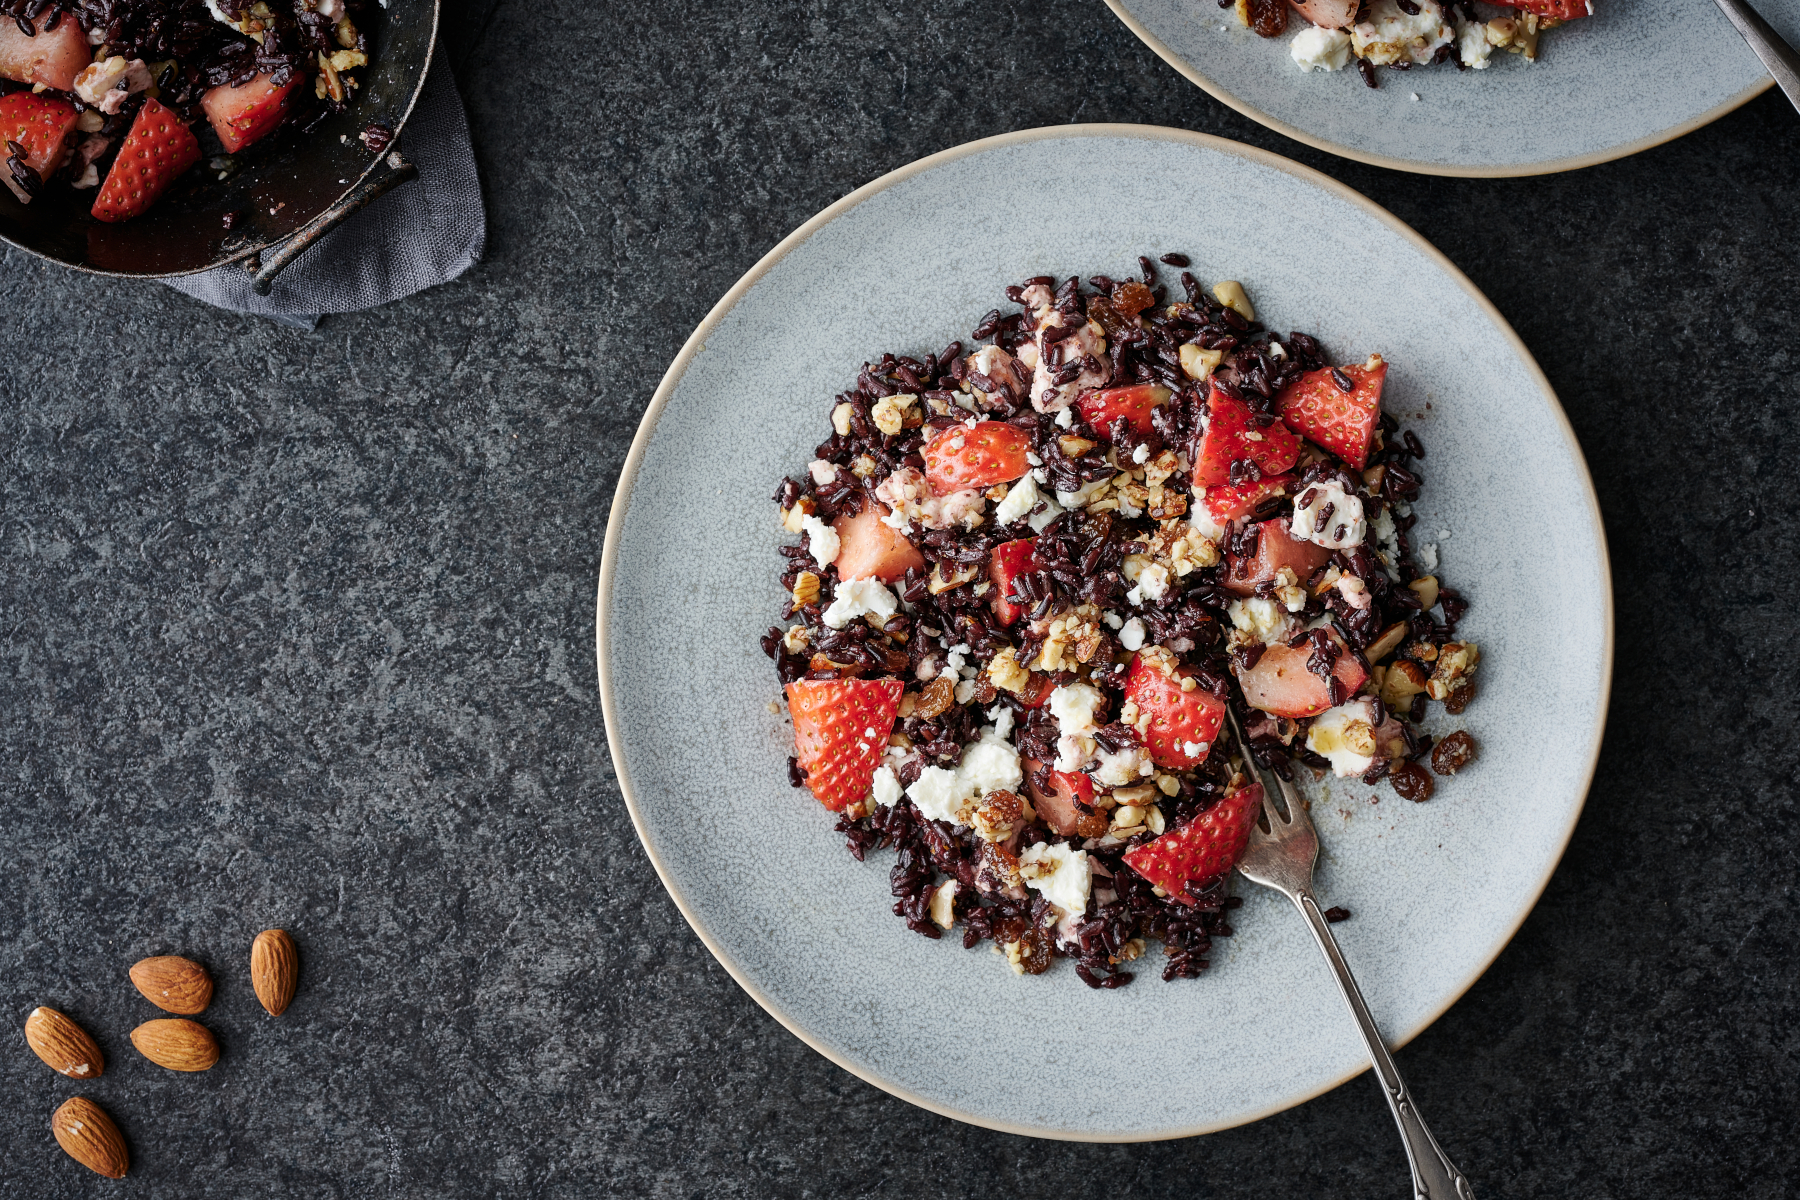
1637 74
688 583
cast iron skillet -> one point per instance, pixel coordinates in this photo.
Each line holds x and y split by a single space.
313 182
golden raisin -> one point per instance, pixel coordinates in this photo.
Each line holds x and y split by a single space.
1453 753
1413 782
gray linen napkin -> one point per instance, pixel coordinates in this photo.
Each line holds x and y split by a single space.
419 235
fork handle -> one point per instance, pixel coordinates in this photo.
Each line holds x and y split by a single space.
1777 56
1434 1176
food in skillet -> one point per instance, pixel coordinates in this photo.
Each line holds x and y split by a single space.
1403 34
1033 578
122 97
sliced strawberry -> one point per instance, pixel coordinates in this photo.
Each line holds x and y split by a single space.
1135 404
41 124
1009 561
841 729
242 114
1201 851
1562 10
1061 805
1275 548
156 151
1228 501
1281 685
869 548
1316 408
1178 719
1328 14
54 57
1231 436
960 458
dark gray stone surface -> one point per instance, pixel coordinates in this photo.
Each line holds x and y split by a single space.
297 630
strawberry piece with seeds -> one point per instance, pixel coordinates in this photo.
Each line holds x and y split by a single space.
242 114
964 457
1203 850
1183 724
156 151
1561 10
1135 404
1227 502
1008 561
1318 408
40 125
841 729
1231 435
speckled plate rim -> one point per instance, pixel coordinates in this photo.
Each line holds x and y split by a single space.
1513 171
671 378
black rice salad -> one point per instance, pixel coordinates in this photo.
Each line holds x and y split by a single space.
1403 34
126 96
1036 569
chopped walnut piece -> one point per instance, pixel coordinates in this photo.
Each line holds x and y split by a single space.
1007 674
1070 637
840 418
1455 661
997 817
796 639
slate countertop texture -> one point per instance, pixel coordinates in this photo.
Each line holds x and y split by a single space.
298 629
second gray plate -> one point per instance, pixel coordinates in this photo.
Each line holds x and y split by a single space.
1633 76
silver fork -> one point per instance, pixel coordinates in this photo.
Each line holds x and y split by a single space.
1782 61
1283 858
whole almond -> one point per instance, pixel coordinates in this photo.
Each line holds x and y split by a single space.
274 969
63 1044
88 1136
177 985
176 1043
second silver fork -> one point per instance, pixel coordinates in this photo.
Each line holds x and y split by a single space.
1283 859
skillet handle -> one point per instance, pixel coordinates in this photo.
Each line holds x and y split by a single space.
392 172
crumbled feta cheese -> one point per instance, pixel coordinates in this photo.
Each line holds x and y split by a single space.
822 471
1126 767
1391 34
1088 492
1065 418
1002 717
909 498
860 597
990 765
109 83
935 794
1315 49
1259 616
1021 498
887 787
1141 455
1132 636
822 538
1073 705
1196 749
1113 620
1346 736
1472 45
1428 556
1152 585
1326 515
1062 874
